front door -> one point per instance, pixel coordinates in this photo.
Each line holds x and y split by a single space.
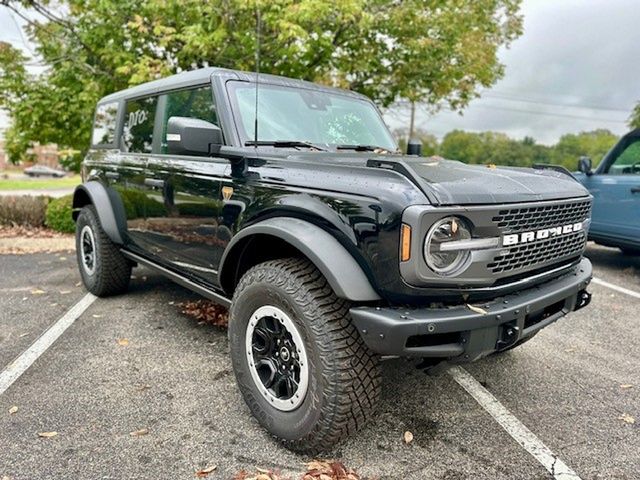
616 191
186 231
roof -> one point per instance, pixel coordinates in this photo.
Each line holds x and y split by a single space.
202 75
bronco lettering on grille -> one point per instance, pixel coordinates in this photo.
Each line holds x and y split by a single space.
526 237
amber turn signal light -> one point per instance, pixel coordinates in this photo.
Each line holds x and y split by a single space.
405 242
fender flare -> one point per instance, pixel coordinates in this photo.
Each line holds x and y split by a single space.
111 212
338 266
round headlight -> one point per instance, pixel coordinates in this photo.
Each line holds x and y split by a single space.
445 261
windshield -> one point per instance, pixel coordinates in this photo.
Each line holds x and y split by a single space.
302 115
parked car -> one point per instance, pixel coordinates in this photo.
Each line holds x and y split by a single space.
330 247
43 171
615 186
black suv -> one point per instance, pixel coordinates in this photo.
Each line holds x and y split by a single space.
330 248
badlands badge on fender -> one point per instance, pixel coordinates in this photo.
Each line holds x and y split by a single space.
526 237
227 192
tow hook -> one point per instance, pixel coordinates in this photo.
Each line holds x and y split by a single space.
583 299
508 336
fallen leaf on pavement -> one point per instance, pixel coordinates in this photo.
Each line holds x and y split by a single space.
324 470
479 310
47 434
65 292
206 311
78 284
123 342
625 417
37 292
206 471
408 437
626 385
96 315
139 433
13 410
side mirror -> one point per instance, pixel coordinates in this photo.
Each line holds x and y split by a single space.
192 136
584 165
414 147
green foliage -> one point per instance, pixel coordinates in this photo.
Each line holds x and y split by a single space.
634 119
58 215
440 53
23 210
592 144
499 149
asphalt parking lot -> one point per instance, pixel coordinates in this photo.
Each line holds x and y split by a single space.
135 363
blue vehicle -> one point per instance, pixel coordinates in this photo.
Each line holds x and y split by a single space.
615 186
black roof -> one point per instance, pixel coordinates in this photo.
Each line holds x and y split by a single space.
203 75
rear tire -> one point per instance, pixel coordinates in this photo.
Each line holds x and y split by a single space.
338 384
103 268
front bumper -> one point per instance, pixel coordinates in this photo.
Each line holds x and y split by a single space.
462 334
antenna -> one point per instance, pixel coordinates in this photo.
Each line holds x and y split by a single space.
255 128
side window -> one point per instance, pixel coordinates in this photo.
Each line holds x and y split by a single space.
137 132
628 161
193 103
104 125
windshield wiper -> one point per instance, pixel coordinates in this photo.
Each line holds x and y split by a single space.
283 144
363 148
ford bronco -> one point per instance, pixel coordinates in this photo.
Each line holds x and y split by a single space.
289 203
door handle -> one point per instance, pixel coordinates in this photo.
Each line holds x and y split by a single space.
154 182
112 175
635 190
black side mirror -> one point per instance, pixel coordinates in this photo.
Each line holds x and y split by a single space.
192 136
584 165
414 147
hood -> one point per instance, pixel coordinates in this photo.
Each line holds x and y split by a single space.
448 182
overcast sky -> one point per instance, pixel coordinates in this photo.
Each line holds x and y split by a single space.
575 68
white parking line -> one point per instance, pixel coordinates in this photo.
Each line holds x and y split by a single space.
617 288
514 427
16 368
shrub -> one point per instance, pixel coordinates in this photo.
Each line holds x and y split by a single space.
58 215
23 210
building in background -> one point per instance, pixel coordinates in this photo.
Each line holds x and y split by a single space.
4 159
45 155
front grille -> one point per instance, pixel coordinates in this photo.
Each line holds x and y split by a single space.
542 252
515 220
531 254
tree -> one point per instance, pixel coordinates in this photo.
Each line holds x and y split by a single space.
634 119
440 52
592 144
429 141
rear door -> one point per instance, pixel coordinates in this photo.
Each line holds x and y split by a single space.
139 197
616 191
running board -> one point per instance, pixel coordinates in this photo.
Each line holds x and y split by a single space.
179 279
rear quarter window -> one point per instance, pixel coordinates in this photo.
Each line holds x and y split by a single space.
104 124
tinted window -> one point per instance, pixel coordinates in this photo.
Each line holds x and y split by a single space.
628 162
137 133
104 126
193 103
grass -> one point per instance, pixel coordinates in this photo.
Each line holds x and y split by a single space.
39 183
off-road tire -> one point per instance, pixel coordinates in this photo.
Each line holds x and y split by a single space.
344 376
112 270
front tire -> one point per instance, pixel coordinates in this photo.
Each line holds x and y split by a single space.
103 268
285 317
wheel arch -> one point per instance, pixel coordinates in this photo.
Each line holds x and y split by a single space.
110 209
282 237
